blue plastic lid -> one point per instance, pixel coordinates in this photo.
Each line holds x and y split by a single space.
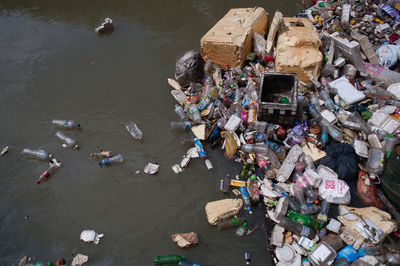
99 163
78 125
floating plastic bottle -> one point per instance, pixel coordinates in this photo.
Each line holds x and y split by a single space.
133 129
184 125
390 143
113 160
364 126
265 167
180 112
245 198
36 154
314 112
241 230
46 174
304 220
296 228
194 113
230 223
375 163
199 147
187 263
68 124
262 149
101 154
168 259
67 142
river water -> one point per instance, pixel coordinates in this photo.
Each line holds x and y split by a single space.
53 65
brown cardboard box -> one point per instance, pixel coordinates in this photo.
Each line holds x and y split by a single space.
297 49
231 39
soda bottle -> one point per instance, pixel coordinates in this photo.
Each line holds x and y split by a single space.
246 199
134 130
36 154
52 168
252 114
230 223
296 228
265 167
304 220
302 182
323 214
113 160
67 142
180 112
375 161
168 259
67 124
101 154
184 125
246 169
292 203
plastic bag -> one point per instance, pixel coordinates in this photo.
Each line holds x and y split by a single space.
334 191
259 44
189 68
387 55
342 159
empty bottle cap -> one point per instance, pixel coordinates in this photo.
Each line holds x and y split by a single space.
253 177
78 125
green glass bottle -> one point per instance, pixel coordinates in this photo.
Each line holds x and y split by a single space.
304 220
168 259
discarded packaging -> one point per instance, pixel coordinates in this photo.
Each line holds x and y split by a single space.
91 236
185 240
151 168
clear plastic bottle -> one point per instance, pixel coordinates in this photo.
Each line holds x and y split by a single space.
351 125
262 149
241 230
230 223
303 183
67 124
293 204
308 160
187 263
296 228
365 127
101 154
315 102
246 199
247 258
113 160
393 102
265 167
45 175
314 112
183 124
67 142
333 132
180 112
209 67
375 163
390 143
323 214
134 130
194 113
328 101
36 154
252 114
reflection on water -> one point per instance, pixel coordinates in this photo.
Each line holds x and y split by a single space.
54 66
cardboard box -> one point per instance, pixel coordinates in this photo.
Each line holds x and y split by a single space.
297 49
231 39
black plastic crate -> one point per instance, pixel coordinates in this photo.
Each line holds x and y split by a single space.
273 87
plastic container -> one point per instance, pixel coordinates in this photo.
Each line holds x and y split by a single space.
332 131
375 163
180 112
184 125
46 174
247 257
315 102
245 198
36 154
323 254
168 259
133 129
67 124
296 228
66 141
230 223
313 111
102 154
265 167
365 127
113 160
390 143
350 253
306 243
273 87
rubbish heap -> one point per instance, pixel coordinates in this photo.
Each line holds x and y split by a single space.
312 113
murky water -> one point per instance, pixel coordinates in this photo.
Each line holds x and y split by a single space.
54 66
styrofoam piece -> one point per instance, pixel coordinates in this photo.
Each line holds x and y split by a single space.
151 168
369 230
91 236
176 168
208 164
233 123
313 177
361 148
193 153
325 171
395 89
374 141
329 116
384 122
289 163
389 109
185 162
277 236
334 225
347 91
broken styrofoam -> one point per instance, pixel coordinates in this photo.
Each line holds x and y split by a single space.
176 168
91 236
346 90
79 260
151 168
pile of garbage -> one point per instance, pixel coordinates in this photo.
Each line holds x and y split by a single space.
309 127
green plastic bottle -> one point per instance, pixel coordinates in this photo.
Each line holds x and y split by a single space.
168 259
304 220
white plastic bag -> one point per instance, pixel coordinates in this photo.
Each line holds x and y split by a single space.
91 236
334 191
387 55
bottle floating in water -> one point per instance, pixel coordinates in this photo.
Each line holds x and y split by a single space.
36 154
247 257
296 228
168 259
230 223
54 165
180 112
246 199
184 125
66 141
199 147
187 263
68 124
113 160
133 129
241 230
102 154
